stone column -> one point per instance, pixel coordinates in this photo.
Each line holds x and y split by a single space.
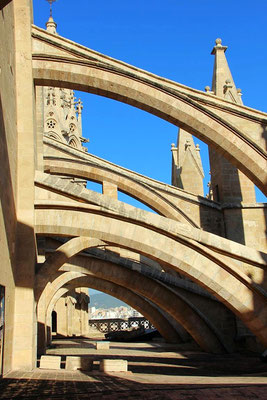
24 339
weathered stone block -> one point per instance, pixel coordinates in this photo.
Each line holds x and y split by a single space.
113 365
50 362
79 363
102 345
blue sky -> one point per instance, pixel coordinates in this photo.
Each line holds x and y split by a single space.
171 38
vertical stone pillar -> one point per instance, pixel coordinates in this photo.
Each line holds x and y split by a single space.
8 175
70 312
24 336
84 311
229 186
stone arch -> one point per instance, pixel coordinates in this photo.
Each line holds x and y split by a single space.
44 330
141 192
171 302
223 280
157 317
162 100
49 270
62 255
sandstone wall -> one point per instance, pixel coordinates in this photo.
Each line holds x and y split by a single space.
17 163
8 165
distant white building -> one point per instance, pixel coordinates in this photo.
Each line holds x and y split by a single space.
92 310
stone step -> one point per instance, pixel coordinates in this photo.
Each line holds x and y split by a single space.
74 363
50 362
102 345
109 365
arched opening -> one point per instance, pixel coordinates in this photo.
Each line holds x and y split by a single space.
116 319
228 289
164 298
151 313
54 322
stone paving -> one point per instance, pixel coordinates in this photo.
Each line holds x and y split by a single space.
156 371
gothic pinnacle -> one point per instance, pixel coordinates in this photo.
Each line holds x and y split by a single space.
51 25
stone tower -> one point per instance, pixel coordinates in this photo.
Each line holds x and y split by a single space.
63 117
62 113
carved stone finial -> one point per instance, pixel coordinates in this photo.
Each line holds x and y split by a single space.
208 91
218 46
79 106
197 147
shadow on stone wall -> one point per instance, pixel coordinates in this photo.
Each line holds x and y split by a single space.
4 3
7 195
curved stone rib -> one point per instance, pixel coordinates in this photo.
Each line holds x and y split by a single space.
162 100
56 150
124 294
57 259
235 291
165 298
139 191
156 222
